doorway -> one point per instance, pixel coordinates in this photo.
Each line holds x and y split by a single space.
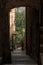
18 45
17 27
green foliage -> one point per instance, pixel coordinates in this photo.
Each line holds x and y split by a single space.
20 25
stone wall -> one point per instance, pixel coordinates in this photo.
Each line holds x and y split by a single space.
4 34
16 3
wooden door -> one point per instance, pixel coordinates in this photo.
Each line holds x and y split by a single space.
32 33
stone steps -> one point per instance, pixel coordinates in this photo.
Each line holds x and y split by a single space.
20 57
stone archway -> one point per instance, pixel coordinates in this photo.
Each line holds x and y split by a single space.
5 8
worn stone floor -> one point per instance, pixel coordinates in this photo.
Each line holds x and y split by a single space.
20 58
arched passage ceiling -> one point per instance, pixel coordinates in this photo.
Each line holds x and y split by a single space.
15 3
